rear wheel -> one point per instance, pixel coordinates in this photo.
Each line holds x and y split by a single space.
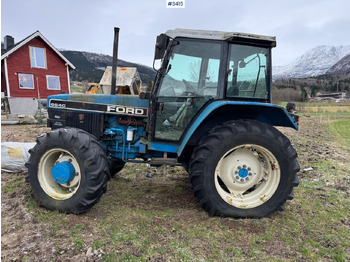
68 170
244 169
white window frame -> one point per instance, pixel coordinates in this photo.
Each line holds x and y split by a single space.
47 82
32 56
24 87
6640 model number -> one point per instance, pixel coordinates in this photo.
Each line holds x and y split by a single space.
61 105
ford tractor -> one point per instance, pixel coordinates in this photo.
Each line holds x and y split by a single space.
210 110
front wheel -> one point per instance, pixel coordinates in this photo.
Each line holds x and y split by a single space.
68 170
244 169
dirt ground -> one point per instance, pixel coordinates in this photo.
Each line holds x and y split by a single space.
24 238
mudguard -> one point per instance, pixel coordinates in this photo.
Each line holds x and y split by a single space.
268 113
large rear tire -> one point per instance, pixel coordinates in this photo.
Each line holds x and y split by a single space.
68 170
244 169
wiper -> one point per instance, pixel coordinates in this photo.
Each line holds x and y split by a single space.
243 64
169 68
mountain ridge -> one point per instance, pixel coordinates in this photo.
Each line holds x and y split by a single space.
317 61
314 62
341 67
90 66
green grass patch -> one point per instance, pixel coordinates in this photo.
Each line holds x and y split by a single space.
141 221
341 128
324 109
326 116
14 184
316 104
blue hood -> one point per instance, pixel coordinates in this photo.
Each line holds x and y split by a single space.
124 100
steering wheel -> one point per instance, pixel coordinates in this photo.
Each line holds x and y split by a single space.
189 88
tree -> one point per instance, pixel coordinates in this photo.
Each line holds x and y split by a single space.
303 95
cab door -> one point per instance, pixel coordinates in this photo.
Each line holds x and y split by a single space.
190 81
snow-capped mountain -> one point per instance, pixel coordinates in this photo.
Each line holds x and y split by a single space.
341 67
314 62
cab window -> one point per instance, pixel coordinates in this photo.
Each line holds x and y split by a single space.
247 72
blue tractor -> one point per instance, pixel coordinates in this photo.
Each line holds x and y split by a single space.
209 110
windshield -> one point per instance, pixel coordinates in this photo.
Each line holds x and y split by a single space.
247 72
193 66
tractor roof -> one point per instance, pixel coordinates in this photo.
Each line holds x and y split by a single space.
220 35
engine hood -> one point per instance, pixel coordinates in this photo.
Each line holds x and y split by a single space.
114 104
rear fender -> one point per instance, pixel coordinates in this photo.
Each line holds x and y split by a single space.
230 110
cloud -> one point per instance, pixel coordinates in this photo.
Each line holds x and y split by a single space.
87 25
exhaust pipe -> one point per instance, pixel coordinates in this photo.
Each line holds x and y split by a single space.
115 60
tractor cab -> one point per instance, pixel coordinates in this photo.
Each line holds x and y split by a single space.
199 67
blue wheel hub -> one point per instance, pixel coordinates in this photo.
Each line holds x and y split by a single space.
63 172
243 173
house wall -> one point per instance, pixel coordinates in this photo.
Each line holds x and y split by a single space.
19 62
3 81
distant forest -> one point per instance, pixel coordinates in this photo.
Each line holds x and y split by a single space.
298 89
85 70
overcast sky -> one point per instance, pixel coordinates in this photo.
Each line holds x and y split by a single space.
87 25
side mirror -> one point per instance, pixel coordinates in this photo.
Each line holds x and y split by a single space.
161 46
242 64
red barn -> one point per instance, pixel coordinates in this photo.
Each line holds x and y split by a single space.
33 68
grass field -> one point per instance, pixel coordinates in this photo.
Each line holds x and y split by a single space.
158 219
322 109
341 109
341 128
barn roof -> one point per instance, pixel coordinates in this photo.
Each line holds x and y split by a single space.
15 47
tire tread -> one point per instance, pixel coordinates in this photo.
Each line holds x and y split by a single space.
95 166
